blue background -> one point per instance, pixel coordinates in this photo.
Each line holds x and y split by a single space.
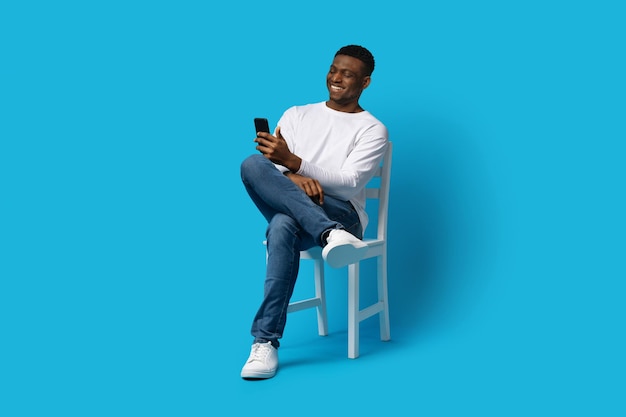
132 262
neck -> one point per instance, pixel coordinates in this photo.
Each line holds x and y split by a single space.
353 107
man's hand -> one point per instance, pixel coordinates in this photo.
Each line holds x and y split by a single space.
276 150
310 186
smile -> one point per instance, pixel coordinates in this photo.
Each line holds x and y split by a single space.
336 88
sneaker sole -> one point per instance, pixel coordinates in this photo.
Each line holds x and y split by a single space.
343 255
257 374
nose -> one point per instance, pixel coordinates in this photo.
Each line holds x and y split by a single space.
336 77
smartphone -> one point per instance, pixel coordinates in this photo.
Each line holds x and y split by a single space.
261 125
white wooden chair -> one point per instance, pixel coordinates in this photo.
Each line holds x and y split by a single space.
378 189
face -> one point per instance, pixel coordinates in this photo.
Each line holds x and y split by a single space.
345 82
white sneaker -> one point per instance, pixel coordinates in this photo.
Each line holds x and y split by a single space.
343 248
262 363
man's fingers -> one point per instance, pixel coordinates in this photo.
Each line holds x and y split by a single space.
309 190
311 187
314 190
264 144
320 193
267 137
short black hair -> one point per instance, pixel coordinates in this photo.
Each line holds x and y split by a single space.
360 53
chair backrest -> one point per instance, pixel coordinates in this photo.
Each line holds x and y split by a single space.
378 189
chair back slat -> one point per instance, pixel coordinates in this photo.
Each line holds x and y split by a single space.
378 188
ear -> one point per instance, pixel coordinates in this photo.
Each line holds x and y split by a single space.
366 81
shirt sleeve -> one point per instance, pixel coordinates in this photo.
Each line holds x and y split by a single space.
357 169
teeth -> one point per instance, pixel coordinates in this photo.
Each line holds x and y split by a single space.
334 87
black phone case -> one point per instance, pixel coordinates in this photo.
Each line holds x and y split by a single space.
261 125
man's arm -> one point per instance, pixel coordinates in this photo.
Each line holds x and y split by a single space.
356 170
276 150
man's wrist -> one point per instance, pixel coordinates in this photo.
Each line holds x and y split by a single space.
294 164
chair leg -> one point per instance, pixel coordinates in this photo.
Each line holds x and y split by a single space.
320 293
353 311
383 296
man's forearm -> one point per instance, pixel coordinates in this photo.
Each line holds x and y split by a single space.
293 163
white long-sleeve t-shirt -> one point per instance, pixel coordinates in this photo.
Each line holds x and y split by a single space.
341 150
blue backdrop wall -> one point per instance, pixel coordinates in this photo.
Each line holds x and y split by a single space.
132 261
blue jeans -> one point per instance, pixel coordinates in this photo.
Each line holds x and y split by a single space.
295 223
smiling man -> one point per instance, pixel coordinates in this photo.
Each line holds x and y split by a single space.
309 183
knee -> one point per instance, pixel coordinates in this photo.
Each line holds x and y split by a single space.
252 166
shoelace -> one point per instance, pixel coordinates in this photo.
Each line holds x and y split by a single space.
259 352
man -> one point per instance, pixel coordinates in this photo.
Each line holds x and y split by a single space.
309 183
